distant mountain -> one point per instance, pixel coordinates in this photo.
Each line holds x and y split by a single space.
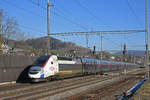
134 52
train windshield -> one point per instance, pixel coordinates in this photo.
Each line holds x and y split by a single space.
41 61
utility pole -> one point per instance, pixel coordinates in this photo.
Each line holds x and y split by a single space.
0 43
0 33
121 53
101 37
48 27
146 38
87 41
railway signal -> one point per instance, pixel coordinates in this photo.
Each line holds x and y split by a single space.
124 50
94 50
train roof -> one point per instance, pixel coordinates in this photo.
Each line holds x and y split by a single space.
90 60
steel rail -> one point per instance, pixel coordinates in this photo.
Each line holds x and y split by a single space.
39 89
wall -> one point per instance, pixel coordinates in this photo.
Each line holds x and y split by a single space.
14 67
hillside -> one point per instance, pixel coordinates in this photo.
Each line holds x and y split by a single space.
41 43
39 46
134 52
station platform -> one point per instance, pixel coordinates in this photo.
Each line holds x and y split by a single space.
143 93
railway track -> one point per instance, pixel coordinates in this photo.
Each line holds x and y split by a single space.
40 89
51 90
107 90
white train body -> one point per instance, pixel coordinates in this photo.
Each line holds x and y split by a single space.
51 66
47 68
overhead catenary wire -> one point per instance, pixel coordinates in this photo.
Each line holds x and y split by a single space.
133 12
116 44
36 14
91 13
62 13
39 31
60 9
73 22
27 10
52 12
33 29
38 4
23 9
62 16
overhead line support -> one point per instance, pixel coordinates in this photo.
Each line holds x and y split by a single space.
146 39
87 41
98 32
48 26
101 45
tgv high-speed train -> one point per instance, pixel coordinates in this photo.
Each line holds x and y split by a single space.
52 66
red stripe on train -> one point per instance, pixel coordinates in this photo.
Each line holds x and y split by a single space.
45 63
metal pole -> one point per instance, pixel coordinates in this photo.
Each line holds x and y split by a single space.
48 27
101 45
0 43
146 38
0 32
121 49
87 41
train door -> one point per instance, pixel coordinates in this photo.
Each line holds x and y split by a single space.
55 64
51 66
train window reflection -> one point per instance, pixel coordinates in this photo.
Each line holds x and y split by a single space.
41 61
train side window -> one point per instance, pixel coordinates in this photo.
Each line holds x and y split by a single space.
78 60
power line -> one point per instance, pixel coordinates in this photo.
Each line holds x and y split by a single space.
73 22
62 12
67 11
30 28
35 14
38 30
60 15
26 10
112 41
37 4
21 8
133 12
91 13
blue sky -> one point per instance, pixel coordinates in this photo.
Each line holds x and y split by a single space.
82 15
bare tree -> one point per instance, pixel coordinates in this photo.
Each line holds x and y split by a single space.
0 31
8 27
